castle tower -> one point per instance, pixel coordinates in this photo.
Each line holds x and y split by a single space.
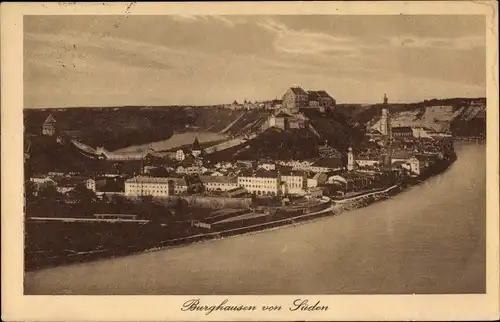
350 159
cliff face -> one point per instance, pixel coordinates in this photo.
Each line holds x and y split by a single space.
461 117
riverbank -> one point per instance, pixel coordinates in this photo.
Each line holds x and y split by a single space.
128 239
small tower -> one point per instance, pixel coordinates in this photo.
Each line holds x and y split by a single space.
350 159
49 126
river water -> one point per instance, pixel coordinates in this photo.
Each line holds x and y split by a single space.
428 239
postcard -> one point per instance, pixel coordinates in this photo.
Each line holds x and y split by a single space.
250 161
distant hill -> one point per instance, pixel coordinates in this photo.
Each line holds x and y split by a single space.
120 127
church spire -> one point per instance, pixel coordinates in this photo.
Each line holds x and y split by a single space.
196 145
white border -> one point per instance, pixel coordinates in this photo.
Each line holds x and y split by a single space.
16 306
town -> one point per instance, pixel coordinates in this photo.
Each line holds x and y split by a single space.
190 192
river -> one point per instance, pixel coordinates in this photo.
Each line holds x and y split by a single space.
427 239
177 140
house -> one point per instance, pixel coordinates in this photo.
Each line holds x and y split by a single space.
267 166
49 126
191 170
421 132
320 99
180 155
415 165
179 185
326 164
317 179
42 182
350 181
367 160
401 156
95 184
219 183
148 186
293 182
260 182
295 98
402 132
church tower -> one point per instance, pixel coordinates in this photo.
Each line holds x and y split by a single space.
385 118
350 159
196 148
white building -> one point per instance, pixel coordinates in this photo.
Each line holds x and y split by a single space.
94 184
180 155
364 161
293 183
261 182
415 165
219 183
267 166
148 186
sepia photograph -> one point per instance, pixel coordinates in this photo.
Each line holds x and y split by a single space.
197 154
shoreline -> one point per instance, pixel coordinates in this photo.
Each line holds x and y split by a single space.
335 208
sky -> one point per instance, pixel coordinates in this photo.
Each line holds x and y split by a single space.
203 60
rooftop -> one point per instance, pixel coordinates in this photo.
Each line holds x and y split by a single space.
314 95
332 162
146 179
260 174
219 179
50 119
298 90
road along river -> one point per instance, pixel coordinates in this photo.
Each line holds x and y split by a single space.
427 239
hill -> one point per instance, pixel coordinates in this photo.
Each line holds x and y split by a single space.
275 144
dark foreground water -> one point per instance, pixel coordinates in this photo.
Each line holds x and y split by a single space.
428 239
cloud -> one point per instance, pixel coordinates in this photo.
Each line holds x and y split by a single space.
229 21
458 43
306 42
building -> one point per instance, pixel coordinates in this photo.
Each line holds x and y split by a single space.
316 179
196 148
180 155
350 181
325 165
49 126
405 132
415 165
95 184
219 183
385 120
148 186
293 182
295 98
401 156
234 193
180 185
367 160
261 182
320 99
350 160
267 166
